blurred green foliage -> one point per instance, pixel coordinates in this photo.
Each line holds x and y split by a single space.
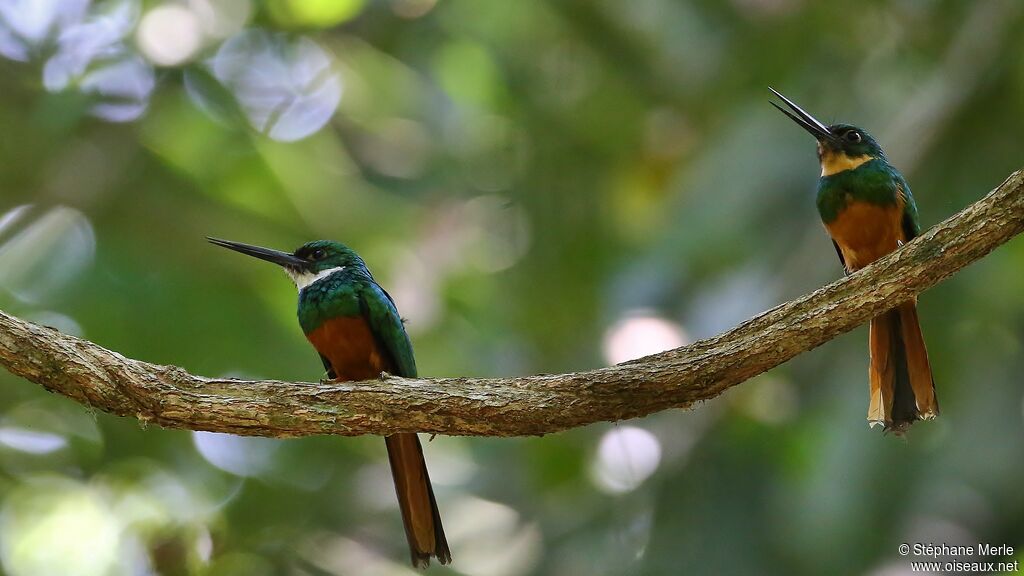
543 187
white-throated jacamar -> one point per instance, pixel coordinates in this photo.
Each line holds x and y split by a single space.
354 325
868 210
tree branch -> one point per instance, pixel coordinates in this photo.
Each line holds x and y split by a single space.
173 398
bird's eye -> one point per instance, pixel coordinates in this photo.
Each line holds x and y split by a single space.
318 254
853 136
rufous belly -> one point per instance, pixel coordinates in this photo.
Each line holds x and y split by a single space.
348 344
865 232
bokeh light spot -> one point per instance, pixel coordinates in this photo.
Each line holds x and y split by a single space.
626 456
169 35
27 24
490 539
639 334
46 253
31 441
412 8
287 88
97 37
58 527
239 455
122 88
315 13
221 18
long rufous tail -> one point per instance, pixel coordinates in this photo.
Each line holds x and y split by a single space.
902 389
416 500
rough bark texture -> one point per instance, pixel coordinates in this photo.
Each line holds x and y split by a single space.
173 398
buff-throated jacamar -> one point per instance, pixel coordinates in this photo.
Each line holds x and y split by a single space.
868 210
355 327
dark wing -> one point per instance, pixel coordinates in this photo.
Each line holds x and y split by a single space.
385 323
841 259
911 225
327 366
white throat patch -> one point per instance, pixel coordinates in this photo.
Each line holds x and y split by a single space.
304 279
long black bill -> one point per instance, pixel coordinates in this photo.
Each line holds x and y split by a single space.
275 256
805 120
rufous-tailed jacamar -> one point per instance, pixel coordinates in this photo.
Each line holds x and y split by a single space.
868 210
354 325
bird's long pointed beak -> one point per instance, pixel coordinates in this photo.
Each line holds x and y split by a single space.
805 120
276 256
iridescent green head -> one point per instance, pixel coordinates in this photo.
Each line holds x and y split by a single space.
321 255
840 146
310 262
854 141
